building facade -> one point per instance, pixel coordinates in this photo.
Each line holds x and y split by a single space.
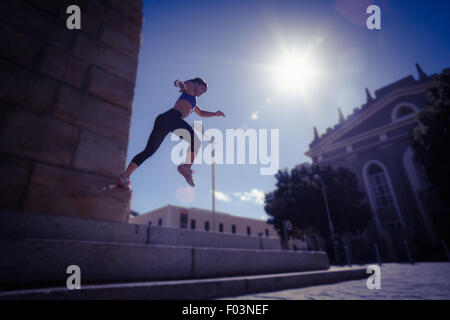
374 142
203 220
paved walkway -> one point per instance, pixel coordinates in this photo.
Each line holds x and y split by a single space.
398 281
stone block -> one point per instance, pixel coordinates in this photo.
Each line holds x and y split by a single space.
115 19
83 109
3 109
37 23
120 42
89 24
126 10
35 261
14 175
51 6
38 138
136 4
100 155
105 57
25 89
17 46
67 192
25 225
213 262
63 66
111 88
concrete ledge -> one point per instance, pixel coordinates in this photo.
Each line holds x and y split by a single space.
210 262
191 289
16 225
24 225
28 263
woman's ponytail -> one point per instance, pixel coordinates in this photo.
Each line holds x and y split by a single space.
180 84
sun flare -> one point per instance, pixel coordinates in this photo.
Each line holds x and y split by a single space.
296 73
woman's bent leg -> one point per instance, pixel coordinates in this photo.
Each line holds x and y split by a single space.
192 139
189 135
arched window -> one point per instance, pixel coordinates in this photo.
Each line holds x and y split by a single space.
415 171
381 194
380 188
403 111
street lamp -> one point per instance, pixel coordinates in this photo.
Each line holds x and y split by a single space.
213 153
330 223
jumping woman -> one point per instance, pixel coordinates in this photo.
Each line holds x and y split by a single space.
169 121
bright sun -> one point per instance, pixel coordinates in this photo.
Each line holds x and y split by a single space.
296 74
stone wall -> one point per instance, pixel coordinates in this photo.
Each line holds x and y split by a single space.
66 98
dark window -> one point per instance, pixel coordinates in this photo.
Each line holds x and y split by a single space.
183 220
159 222
193 224
207 225
249 231
404 111
233 228
380 187
267 233
221 227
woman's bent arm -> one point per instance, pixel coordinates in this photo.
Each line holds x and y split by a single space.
203 113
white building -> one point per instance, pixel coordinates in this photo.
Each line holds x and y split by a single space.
203 220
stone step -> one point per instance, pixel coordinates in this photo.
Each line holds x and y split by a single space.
28 263
16 225
192 289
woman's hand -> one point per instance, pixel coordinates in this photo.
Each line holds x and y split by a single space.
220 114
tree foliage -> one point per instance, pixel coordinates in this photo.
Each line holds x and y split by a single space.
431 137
298 197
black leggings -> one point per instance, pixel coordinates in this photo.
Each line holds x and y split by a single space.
167 122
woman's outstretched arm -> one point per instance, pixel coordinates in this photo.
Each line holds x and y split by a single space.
203 113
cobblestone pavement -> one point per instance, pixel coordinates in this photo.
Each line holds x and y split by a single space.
398 281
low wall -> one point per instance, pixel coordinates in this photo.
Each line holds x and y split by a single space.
14 225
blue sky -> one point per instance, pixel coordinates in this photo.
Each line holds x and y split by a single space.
236 47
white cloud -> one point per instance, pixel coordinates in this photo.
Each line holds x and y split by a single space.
255 115
256 196
221 196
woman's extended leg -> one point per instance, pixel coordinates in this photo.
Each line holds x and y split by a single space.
157 136
131 167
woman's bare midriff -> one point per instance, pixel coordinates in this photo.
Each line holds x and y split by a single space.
184 107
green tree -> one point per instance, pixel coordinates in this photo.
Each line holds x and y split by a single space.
298 197
431 142
431 137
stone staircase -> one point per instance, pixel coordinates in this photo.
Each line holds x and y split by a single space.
117 257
